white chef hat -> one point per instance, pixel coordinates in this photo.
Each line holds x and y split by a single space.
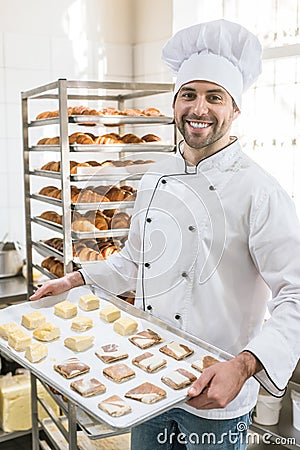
220 51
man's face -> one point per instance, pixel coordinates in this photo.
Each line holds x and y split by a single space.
204 113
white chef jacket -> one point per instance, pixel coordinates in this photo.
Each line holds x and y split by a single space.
207 246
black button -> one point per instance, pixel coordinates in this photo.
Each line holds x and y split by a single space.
184 274
177 316
148 220
163 181
147 264
211 188
149 307
192 228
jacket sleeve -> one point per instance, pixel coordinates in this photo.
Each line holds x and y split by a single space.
274 244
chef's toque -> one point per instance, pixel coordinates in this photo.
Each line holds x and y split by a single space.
220 51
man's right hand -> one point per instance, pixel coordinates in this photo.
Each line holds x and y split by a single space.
55 287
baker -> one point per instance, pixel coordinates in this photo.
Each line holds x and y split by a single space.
213 239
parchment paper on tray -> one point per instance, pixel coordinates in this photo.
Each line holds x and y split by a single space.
103 333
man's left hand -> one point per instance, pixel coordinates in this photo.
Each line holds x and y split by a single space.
220 384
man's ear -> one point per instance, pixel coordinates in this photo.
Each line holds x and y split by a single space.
236 112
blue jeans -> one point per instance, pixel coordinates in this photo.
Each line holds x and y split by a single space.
178 430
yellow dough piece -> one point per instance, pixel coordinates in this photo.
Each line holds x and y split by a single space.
7 328
47 332
110 313
125 325
79 343
19 340
81 323
33 320
89 302
65 309
36 352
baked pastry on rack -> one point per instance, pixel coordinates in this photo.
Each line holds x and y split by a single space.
52 216
54 265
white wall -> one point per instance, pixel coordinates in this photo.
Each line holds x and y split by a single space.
42 41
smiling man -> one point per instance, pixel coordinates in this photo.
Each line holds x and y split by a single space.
213 240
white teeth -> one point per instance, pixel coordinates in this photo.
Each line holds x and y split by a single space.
199 125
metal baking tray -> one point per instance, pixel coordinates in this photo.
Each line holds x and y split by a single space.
104 334
46 199
115 232
101 176
84 206
107 148
115 148
44 271
120 120
48 224
102 205
46 250
105 120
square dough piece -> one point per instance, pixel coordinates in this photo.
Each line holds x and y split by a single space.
146 338
146 393
110 352
149 362
81 323
125 325
71 368
204 363
110 313
36 352
7 328
33 320
178 379
79 343
89 302
19 340
115 406
65 309
176 350
88 387
47 332
119 373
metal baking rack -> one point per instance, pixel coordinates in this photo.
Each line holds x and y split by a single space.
64 92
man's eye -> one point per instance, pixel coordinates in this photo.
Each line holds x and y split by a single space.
188 95
215 98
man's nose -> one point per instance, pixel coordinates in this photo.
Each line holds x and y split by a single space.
200 106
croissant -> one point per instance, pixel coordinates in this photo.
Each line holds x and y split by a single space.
56 243
115 194
48 262
52 216
58 269
133 112
131 138
90 243
93 163
83 225
74 168
42 141
47 191
106 140
77 110
53 141
56 194
88 196
48 165
84 139
120 220
43 115
150 138
152 112
88 254
107 251
72 138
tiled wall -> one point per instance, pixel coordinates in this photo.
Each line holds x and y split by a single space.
75 39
